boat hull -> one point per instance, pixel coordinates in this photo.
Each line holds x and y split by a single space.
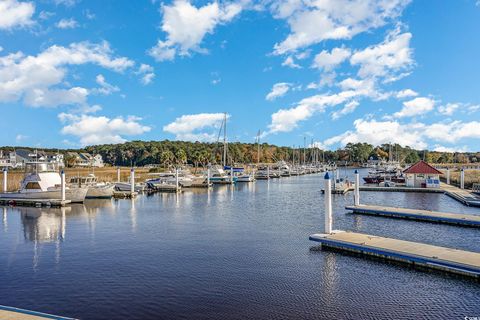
100 192
76 195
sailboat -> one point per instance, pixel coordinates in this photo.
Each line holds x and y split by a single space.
218 174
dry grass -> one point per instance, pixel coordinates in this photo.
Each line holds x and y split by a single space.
107 174
471 176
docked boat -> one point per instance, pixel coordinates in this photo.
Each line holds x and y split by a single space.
96 190
126 187
219 176
42 181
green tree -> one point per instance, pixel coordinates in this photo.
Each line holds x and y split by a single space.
167 157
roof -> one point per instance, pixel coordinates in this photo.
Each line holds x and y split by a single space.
421 167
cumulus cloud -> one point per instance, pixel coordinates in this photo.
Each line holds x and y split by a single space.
196 127
67 24
290 62
278 90
407 93
415 107
105 87
311 22
100 129
15 13
186 25
329 60
67 3
448 109
39 80
387 59
146 73
348 108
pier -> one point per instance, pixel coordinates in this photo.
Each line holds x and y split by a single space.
413 253
10 313
34 202
415 214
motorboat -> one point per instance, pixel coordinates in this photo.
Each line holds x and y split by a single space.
218 176
96 190
42 181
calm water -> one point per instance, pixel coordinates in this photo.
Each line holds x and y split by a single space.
235 252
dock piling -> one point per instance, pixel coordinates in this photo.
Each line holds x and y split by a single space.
62 181
118 174
356 194
268 172
462 179
132 181
176 178
231 174
328 204
208 177
5 179
448 175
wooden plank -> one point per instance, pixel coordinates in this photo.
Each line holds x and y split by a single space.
34 202
10 313
416 214
430 256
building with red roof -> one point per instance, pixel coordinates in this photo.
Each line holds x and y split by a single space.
422 175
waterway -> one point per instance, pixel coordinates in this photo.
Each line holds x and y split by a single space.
234 252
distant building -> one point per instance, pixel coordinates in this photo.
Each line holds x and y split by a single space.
18 158
422 175
84 159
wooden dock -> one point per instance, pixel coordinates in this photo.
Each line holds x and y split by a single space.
421 215
417 254
124 194
34 202
10 313
401 189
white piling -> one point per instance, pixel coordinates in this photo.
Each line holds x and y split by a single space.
5 179
328 204
132 181
448 175
118 174
462 179
356 194
231 174
62 182
337 174
268 172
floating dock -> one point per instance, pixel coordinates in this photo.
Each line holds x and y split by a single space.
415 214
34 202
464 196
417 254
124 194
401 189
10 313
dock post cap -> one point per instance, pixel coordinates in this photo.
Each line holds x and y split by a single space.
327 176
131 170
356 171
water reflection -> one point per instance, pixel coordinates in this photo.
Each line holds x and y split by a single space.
4 220
44 225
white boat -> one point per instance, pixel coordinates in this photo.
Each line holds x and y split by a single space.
96 189
245 178
126 187
42 181
218 176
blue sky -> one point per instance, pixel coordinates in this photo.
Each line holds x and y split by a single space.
78 72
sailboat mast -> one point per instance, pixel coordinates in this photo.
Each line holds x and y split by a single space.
258 147
225 140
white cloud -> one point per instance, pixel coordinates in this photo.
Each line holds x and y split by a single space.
105 87
20 137
45 15
315 21
407 93
290 62
99 130
39 80
67 24
379 132
196 127
278 90
453 131
285 120
440 148
187 25
348 108
15 13
415 107
387 59
329 60
146 72
67 3
448 109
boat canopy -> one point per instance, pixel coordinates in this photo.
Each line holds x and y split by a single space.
235 169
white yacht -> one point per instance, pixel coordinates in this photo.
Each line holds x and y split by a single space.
96 190
42 181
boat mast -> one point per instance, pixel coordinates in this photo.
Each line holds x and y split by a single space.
258 148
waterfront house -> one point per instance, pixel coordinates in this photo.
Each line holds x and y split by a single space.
84 159
422 175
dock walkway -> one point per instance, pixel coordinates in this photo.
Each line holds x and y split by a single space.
10 313
415 214
419 254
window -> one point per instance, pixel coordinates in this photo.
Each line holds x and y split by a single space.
33 186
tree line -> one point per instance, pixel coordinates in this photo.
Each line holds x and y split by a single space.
166 153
